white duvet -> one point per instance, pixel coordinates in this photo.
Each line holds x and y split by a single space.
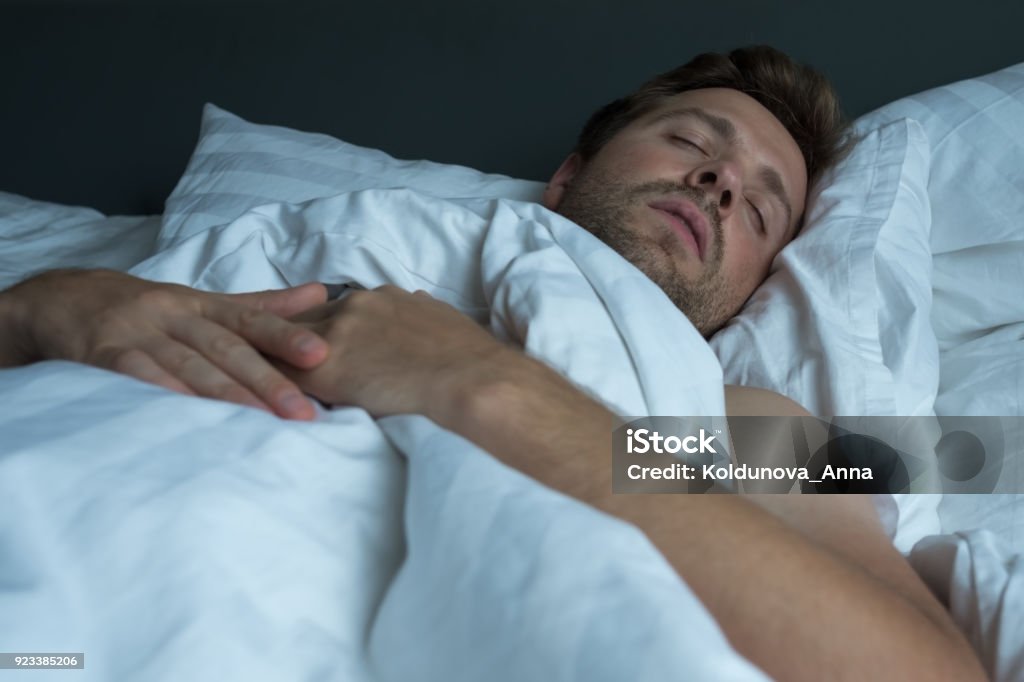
177 538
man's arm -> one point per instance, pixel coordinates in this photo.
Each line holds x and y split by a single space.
189 341
812 590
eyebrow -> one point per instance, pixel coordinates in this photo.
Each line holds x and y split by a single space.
724 128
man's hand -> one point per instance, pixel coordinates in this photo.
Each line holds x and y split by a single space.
393 352
189 341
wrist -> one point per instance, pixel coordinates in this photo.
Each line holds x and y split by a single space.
474 394
32 328
521 410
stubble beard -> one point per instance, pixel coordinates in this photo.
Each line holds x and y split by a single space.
602 205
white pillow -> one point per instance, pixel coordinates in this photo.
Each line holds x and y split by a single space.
40 235
976 129
841 325
238 166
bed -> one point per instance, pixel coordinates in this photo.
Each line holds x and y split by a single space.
169 537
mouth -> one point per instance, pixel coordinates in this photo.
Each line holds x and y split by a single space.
688 221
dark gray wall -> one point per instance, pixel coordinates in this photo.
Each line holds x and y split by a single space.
101 101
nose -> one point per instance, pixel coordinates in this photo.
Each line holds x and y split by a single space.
720 179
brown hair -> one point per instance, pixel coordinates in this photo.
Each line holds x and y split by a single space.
801 98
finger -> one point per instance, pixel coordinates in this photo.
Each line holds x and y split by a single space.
319 313
200 375
390 290
135 363
285 302
267 332
243 365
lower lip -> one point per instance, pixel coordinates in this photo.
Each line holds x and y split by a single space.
682 230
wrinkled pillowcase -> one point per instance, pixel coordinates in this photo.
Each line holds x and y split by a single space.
42 235
976 130
238 166
842 323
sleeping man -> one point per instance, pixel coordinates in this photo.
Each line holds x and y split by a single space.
698 179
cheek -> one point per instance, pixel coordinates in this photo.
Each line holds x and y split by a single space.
746 265
636 162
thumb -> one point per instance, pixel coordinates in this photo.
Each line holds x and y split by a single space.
285 302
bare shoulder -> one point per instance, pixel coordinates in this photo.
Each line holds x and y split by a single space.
819 516
846 525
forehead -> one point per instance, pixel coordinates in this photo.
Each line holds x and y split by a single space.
747 125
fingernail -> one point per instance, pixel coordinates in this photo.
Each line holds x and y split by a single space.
293 403
307 344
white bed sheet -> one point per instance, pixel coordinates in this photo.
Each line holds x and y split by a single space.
211 541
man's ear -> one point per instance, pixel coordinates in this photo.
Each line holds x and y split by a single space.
555 190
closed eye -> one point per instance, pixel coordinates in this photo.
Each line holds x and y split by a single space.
760 216
688 143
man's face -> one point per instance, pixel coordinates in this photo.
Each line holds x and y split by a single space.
700 194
